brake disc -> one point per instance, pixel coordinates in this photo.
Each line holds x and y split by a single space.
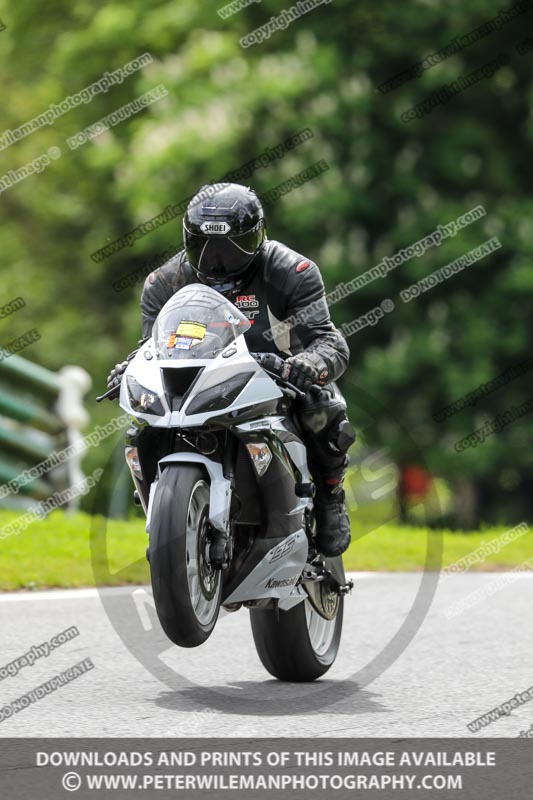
323 598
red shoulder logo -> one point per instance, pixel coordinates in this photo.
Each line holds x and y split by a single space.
303 265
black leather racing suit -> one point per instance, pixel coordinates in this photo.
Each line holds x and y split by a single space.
284 299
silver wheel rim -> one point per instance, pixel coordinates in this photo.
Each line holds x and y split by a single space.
203 581
321 631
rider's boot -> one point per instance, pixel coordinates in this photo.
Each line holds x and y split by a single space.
332 522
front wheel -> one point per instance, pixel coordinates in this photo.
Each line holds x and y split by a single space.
186 588
299 644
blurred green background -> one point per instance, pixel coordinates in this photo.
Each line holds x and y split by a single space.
388 185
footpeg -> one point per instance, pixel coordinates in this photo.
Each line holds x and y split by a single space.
346 589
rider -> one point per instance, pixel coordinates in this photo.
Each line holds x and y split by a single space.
282 294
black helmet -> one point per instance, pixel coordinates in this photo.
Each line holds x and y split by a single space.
223 230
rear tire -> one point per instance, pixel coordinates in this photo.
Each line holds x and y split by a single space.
297 645
186 589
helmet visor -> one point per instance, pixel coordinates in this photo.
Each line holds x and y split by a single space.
222 256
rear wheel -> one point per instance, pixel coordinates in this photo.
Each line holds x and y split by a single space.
186 588
300 644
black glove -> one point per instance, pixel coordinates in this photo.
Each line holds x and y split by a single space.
115 376
307 369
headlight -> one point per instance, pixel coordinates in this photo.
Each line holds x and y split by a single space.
142 399
219 396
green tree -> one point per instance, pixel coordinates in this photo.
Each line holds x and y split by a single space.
388 185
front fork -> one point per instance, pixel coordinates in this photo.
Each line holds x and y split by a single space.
221 548
222 479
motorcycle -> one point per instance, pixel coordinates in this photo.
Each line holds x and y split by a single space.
220 470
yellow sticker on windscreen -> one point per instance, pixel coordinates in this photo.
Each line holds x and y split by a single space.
194 330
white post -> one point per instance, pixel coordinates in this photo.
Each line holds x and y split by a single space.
74 383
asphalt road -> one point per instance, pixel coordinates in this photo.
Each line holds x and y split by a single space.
457 666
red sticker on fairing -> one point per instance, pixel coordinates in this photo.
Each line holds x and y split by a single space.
303 265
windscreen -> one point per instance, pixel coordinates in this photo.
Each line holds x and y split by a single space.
197 322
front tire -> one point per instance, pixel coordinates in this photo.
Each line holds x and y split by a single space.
186 589
297 645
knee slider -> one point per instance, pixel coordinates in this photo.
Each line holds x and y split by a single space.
345 435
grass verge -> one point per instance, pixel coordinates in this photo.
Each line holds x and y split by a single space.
56 551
